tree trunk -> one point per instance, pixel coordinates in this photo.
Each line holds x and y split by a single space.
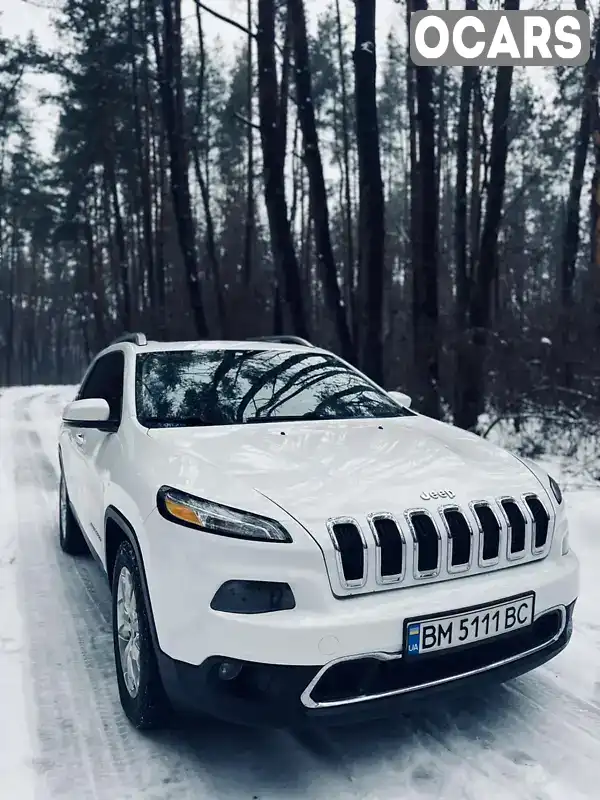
478 160
284 88
595 192
282 243
161 272
170 78
156 159
122 260
350 265
414 180
442 128
570 245
471 372
12 300
211 245
95 286
143 166
425 271
371 211
250 203
460 212
327 269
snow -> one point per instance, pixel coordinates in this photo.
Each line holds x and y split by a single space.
63 735
15 752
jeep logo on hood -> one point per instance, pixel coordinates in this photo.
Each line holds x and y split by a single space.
438 495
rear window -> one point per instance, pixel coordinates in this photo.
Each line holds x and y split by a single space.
229 387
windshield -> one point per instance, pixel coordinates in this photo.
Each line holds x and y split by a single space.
228 387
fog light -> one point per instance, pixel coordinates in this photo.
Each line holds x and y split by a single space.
253 597
229 670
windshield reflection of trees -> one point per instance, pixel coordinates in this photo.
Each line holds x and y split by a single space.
229 387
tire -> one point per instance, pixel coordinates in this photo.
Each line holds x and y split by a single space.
70 536
140 688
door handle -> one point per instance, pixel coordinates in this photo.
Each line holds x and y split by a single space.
80 438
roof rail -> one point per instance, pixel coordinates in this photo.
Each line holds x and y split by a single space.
282 340
135 338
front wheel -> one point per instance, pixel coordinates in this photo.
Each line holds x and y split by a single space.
140 687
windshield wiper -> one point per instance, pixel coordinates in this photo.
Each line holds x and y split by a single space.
170 422
281 418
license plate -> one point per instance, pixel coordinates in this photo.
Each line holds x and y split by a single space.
468 627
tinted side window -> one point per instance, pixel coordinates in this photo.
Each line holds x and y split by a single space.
105 381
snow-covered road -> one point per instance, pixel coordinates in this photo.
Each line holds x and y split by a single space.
63 735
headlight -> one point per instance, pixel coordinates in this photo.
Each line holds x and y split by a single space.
555 490
193 512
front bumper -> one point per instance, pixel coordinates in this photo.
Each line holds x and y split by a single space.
283 652
366 687
184 569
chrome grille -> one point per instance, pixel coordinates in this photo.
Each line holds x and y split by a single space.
517 528
390 548
350 550
489 534
422 544
426 543
460 539
541 523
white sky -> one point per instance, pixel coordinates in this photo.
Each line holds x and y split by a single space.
18 18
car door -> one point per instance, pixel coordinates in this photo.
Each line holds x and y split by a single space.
99 447
72 438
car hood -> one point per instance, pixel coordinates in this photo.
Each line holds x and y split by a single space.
318 470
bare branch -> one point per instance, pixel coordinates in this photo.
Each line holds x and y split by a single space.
232 22
223 18
541 415
246 121
256 127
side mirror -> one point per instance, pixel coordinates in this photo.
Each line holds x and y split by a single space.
92 413
404 399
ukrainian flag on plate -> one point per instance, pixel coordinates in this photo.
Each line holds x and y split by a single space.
414 637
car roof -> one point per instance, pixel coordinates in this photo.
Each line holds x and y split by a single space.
215 344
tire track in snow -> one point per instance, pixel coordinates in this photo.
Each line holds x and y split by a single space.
89 750
512 744
103 757
69 720
472 746
21 413
17 772
576 713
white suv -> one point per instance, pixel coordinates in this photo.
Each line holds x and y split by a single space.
284 539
